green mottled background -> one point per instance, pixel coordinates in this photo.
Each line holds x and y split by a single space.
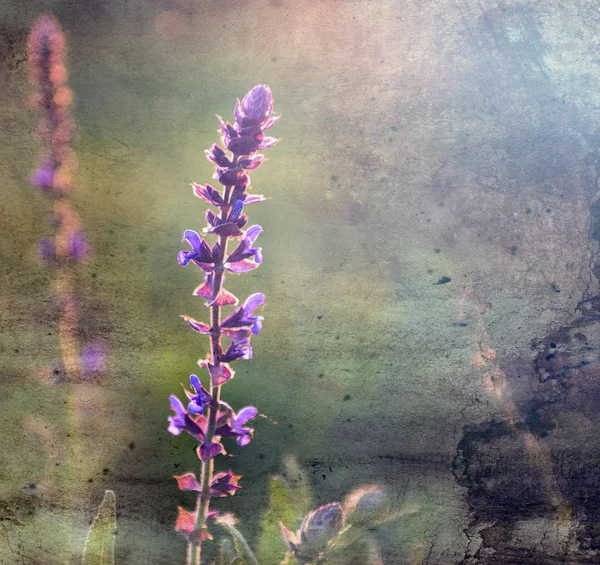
420 140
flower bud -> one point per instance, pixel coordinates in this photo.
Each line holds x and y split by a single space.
320 527
366 504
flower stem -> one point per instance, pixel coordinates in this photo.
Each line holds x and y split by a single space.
207 468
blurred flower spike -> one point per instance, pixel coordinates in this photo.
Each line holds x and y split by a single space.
56 128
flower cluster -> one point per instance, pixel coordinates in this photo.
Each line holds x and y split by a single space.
206 417
56 128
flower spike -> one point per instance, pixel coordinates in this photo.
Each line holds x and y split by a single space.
207 418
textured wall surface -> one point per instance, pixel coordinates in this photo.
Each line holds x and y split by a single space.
431 270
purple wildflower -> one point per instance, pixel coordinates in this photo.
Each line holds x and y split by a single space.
237 155
242 317
245 257
237 350
231 424
199 398
200 254
256 108
225 484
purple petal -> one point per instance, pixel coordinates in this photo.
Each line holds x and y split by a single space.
245 414
236 336
207 451
236 210
252 233
243 266
257 105
195 383
208 193
194 240
252 163
267 142
237 112
257 326
218 156
253 302
177 406
251 199
196 325
270 122
244 145
245 438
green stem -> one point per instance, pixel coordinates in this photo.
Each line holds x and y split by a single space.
206 473
242 541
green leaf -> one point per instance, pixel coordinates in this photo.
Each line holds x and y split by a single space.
100 542
289 501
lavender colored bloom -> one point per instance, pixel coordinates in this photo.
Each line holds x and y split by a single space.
225 484
242 317
200 254
177 423
256 107
196 426
182 422
245 257
237 350
199 397
231 424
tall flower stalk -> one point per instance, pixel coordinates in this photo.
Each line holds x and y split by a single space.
54 176
207 418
